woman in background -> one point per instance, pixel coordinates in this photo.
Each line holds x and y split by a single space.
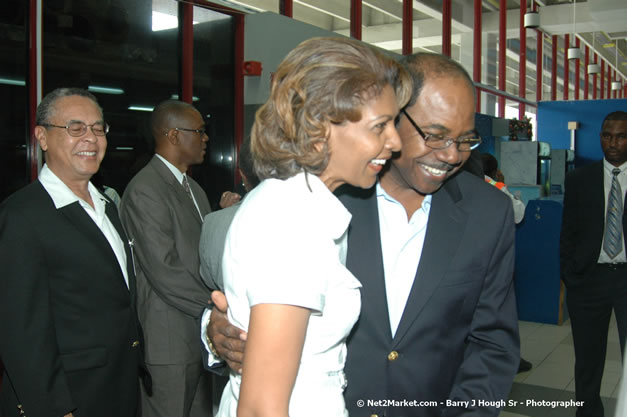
329 121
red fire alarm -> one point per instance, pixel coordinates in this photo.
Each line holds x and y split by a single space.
252 68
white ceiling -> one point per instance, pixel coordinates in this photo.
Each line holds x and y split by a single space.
599 22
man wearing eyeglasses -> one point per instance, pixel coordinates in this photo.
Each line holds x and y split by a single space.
69 335
438 321
162 210
433 248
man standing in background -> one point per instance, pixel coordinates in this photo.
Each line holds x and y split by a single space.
69 335
162 210
593 261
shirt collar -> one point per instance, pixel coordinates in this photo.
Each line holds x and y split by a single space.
381 193
63 196
336 216
609 167
178 174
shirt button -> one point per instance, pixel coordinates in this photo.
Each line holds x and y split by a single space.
393 355
135 343
374 415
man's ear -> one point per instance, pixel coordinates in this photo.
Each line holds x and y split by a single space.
172 136
40 134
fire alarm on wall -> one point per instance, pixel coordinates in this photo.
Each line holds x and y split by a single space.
252 68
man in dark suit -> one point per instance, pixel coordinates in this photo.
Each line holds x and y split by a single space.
434 250
593 262
69 335
162 210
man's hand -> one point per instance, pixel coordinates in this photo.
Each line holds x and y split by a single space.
228 340
229 198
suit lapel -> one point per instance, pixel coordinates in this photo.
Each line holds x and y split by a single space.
365 259
78 218
186 205
445 228
112 213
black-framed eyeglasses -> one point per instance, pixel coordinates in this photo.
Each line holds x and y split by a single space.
201 132
76 128
435 141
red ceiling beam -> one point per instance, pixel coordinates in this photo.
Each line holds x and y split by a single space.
566 69
502 56
356 19
446 27
286 8
408 27
476 50
586 77
522 59
554 47
577 71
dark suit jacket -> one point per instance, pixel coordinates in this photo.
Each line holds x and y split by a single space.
158 214
583 222
68 329
458 336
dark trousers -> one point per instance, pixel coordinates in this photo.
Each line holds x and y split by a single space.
590 307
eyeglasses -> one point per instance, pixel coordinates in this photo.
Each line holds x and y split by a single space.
201 132
435 141
77 129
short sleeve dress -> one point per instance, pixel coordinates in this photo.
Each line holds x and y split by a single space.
287 245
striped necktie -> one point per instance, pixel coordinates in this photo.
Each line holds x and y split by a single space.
613 240
187 189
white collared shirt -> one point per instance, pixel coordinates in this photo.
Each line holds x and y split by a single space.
401 246
179 177
607 186
63 196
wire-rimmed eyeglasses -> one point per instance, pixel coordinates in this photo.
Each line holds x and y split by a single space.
201 131
76 128
435 141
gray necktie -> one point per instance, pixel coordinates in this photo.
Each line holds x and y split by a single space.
187 189
613 241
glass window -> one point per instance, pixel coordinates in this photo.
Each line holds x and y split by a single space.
127 54
112 50
213 89
13 106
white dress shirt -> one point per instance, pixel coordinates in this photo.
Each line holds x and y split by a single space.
401 245
179 177
63 196
607 186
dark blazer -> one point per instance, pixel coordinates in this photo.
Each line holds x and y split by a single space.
458 336
69 336
583 223
158 214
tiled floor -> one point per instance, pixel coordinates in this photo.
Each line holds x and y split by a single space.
550 349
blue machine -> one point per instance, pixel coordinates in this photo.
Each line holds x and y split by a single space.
539 292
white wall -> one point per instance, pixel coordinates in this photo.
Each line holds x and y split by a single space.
268 37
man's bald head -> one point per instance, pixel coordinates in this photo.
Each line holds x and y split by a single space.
166 115
425 65
180 133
